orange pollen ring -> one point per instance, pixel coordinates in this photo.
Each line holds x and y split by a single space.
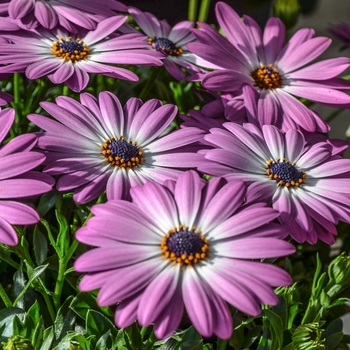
288 175
170 239
267 78
70 50
121 153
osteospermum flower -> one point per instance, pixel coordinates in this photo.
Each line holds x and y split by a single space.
69 59
17 180
307 184
67 13
276 70
342 32
188 244
99 145
170 42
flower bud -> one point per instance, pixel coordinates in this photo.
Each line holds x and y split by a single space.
287 11
308 336
18 343
339 270
74 346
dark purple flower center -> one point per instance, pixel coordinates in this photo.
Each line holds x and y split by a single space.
267 78
70 50
165 46
185 246
121 153
285 173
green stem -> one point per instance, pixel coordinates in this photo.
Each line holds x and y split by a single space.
16 88
65 90
62 267
49 306
5 297
149 83
192 10
9 260
143 332
100 83
63 262
151 340
37 96
16 102
221 344
204 10
333 115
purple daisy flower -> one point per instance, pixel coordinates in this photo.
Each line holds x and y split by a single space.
67 13
342 32
69 59
17 180
99 145
171 42
186 244
307 185
277 71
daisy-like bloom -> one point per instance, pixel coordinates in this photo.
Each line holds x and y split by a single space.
67 13
187 244
170 42
69 59
277 71
98 144
17 180
308 185
342 32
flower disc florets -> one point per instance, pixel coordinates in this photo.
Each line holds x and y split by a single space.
267 78
121 153
285 173
70 50
185 246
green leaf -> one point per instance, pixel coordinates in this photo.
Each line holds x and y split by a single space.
333 340
29 327
102 342
97 324
49 233
119 342
18 327
47 202
34 311
6 321
65 320
192 345
170 344
38 334
276 329
39 246
265 340
19 282
334 327
82 303
134 336
251 337
317 273
191 334
32 276
47 339
289 347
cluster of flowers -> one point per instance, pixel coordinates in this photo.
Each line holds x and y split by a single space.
167 239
